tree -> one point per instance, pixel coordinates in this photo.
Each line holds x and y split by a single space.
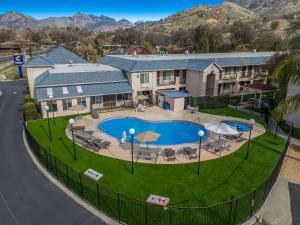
287 71
241 33
88 52
294 42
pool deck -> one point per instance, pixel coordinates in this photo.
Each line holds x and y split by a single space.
123 151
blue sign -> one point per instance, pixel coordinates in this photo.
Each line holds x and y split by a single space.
18 60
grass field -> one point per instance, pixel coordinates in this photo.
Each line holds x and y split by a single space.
219 179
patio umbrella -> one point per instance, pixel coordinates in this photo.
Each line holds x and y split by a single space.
147 136
220 128
83 122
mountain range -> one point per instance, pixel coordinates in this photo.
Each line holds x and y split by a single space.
222 14
16 20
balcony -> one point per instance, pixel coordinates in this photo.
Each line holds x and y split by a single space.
228 76
182 81
161 82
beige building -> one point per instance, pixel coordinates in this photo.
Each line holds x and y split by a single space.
117 80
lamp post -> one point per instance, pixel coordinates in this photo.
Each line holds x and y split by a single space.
47 110
51 101
71 122
201 134
251 122
131 132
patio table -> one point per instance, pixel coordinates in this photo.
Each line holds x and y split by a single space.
147 152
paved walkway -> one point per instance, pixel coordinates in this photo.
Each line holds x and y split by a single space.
26 196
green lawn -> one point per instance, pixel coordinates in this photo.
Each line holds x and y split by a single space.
219 178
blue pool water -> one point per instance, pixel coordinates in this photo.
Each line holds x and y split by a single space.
238 125
171 132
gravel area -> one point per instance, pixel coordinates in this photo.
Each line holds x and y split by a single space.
291 167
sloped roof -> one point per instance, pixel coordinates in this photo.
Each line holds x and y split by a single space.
87 90
198 62
58 55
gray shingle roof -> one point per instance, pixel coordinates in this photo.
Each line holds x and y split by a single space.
197 62
88 90
48 79
58 55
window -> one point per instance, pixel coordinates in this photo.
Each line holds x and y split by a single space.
81 101
144 78
53 106
120 97
67 103
49 91
79 89
127 96
183 77
167 75
96 99
65 90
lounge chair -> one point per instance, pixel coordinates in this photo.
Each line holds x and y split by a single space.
190 152
103 144
237 138
169 153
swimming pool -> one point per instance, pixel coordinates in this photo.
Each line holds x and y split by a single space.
240 126
171 132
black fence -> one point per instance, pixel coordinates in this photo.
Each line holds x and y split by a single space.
130 211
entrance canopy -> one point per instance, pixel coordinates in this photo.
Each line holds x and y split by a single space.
174 93
258 87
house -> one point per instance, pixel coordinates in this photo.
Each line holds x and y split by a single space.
208 74
41 63
118 80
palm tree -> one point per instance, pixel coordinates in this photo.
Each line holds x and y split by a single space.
287 71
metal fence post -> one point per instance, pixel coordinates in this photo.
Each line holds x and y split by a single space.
235 211
55 167
253 202
98 196
145 213
119 213
67 170
171 215
80 183
46 158
230 210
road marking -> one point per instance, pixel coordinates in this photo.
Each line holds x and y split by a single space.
15 92
9 210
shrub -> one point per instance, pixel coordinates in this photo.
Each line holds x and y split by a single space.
30 111
27 98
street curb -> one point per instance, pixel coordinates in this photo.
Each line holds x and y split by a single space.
63 188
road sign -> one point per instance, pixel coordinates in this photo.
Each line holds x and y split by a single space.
18 60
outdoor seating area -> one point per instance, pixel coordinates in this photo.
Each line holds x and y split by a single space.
221 138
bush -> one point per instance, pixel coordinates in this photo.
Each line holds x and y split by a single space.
286 128
30 111
27 98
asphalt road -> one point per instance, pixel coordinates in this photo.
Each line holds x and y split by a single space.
26 196
295 202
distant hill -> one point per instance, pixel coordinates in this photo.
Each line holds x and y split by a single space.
272 8
16 20
222 14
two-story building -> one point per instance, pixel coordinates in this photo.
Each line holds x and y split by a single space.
118 80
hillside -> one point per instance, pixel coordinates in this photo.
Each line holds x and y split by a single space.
287 9
222 14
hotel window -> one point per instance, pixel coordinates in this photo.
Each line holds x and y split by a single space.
81 101
96 99
67 103
183 77
144 78
53 106
167 75
65 90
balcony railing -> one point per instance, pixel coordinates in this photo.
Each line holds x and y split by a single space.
182 81
165 82
228 76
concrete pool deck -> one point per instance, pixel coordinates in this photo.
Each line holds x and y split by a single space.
123 151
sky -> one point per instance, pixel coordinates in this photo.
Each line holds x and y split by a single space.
132 10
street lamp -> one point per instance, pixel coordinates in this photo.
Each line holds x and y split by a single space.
47 110
51 99
71 122
201 134
251 122
131 132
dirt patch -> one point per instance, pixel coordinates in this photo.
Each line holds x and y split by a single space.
291 166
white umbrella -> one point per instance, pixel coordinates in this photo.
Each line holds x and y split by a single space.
123 140
220 128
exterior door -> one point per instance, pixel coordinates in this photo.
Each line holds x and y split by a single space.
210 84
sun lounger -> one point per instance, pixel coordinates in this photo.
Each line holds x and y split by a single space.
169 153
237 138
190 152
103 144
